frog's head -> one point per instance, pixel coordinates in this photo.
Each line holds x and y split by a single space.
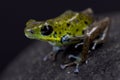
39 30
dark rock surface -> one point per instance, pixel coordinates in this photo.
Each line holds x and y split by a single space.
104 64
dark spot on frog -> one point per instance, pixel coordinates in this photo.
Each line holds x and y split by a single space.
59 32
68 24
85 22
74 35
59 25
68 33
55 32
83 31
54 35
77 30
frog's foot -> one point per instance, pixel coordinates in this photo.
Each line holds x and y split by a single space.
51 56
96 42
77 62
79 44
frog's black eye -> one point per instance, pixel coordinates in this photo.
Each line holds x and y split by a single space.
46 30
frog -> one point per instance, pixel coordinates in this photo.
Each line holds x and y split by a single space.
79 28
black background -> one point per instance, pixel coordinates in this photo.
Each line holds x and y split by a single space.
15 13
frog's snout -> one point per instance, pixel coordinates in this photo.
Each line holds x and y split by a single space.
28 33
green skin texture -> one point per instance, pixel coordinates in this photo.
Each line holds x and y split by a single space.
77 26
69 23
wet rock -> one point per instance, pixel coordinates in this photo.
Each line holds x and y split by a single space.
104 64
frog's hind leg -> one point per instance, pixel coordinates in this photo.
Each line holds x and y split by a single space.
90 35
102 38
101 26
88 12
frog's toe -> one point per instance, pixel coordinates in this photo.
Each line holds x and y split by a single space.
77 58
70 64
76 68
50 56
45 58
76 71
94 46
63 66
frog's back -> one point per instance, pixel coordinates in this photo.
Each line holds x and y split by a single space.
72 23
66 15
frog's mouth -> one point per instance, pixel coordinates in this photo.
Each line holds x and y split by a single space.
28 36
51 39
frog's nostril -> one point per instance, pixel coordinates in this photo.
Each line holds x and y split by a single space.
31 31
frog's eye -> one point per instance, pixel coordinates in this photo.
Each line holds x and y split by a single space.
46 30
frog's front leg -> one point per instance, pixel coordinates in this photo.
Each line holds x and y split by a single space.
52 55
90 35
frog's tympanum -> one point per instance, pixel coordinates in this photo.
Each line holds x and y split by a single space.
79 28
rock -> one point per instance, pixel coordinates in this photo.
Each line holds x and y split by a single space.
104 64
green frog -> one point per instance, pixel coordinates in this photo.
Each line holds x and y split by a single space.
79 28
